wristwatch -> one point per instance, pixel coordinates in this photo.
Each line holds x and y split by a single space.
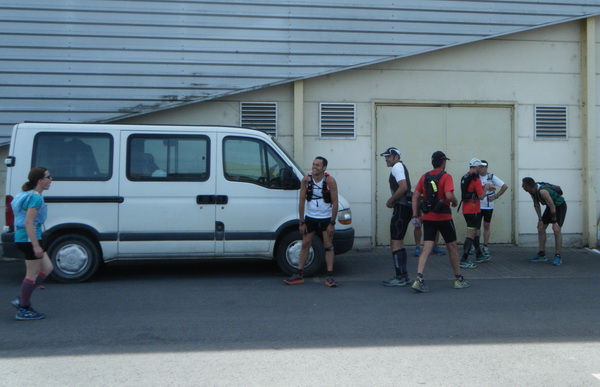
333 222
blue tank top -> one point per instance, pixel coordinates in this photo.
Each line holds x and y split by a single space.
20 204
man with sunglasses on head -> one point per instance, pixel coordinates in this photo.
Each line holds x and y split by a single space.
490 182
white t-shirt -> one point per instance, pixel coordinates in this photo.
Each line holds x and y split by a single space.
490 178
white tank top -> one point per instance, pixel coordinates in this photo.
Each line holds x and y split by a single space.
317 208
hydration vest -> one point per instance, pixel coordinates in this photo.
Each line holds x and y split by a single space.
394 187
554 190
431 202
324 189
464 186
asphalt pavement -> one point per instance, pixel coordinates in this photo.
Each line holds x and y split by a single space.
231 323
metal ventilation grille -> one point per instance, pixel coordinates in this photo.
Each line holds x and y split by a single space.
550 122
259 115
337 120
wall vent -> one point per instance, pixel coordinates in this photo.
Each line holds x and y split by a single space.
259 115
337 120
550 122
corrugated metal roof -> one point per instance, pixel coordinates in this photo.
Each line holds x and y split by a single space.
97 60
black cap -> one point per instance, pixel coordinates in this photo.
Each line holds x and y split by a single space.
484 163
391 151
439 156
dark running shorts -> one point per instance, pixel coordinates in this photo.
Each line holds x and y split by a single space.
313 224
27 249
487 215
473 220
561 212
400 220
445 227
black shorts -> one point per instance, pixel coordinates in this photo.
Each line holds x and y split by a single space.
561 212
473 220
400 220
445 227
487 215
313 224
27 249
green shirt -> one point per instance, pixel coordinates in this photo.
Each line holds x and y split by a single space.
556 198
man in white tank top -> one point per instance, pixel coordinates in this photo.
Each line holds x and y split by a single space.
317 208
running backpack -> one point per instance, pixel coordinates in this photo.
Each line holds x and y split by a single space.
394 185
553 187
324 190
431 202
464 186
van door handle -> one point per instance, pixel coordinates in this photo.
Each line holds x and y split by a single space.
205 199
212 199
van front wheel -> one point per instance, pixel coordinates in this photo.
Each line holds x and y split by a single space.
75 258
288 254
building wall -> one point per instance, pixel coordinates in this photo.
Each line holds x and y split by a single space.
89 61
523 70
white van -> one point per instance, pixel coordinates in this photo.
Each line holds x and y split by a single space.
160 192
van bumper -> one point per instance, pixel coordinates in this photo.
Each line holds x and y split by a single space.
343 240
9 247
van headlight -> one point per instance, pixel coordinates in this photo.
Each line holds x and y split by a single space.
345 216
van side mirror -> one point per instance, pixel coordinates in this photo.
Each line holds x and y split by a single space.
289 180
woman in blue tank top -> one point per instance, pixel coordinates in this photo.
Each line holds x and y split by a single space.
30 214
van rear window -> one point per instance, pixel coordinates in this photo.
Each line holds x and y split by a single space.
74 156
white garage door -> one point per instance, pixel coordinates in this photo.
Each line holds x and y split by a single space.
462 132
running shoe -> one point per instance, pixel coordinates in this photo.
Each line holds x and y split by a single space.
437 250
557 260
419 286
16 302
486 251
25 314
472 251
397 281
461 284
295 279
417 251
483 258
468 265
331 282
537 258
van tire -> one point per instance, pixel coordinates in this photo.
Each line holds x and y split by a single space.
75 258
288 254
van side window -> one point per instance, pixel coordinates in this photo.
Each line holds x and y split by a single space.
74 156
167 158
252 161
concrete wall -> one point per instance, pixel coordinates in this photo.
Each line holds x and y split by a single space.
538 67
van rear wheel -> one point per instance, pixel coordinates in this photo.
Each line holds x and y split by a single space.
75 258
288 254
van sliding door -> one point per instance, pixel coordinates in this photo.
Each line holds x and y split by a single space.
169 195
